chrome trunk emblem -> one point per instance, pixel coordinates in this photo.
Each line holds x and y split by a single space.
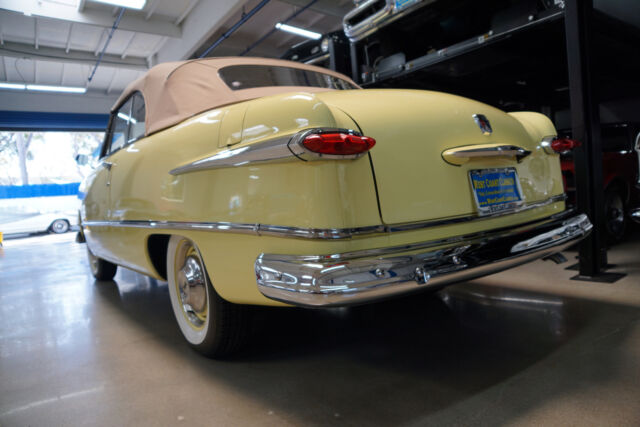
483 123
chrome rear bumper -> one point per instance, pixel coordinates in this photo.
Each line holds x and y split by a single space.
364 276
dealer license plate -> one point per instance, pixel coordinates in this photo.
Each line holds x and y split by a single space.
496 190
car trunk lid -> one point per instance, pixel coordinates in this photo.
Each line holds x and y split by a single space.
428 144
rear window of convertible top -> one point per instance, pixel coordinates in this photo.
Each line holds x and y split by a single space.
250 76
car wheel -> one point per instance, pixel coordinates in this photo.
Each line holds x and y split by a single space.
59 226
615 218
211 325
100 268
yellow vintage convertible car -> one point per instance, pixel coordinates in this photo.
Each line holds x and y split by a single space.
245 181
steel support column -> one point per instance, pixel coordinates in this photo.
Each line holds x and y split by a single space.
585 121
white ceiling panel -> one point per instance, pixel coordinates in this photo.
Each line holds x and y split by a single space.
54 42
48 73
52 33
86 37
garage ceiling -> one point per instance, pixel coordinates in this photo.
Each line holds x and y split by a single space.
58 42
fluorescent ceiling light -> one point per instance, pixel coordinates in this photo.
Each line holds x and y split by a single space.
131 4
14 86
67 89
299 31
43 88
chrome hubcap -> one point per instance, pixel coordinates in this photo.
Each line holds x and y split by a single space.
192 289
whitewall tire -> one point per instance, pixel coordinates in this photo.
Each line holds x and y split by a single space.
59 226
211 325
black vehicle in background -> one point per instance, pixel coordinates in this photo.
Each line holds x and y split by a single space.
391 38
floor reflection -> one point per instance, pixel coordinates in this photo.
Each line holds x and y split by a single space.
426 358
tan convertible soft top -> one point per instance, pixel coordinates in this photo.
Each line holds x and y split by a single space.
175 91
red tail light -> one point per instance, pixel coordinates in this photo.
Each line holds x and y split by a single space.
338 143
562 145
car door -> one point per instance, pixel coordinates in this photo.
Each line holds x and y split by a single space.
96 195
125 159
97 203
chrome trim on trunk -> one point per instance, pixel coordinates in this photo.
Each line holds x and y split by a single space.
310 233
347 279
497 151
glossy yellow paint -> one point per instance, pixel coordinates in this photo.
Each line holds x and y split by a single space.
319 194
412 129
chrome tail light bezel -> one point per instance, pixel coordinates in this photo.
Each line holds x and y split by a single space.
300 151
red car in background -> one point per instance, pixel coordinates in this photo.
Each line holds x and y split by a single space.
621 175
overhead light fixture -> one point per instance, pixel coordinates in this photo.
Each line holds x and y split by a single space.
66 89
299 31
130 4
42 88
14 86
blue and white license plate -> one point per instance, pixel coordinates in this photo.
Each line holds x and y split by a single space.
495 190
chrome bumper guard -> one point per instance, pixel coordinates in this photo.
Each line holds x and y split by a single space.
365 276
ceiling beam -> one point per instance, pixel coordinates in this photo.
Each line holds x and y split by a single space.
69 38
126 48
27 51
99 45
113 79
186 12
203 21
35 32
152 9
66 12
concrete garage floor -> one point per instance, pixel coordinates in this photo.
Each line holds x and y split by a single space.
524 347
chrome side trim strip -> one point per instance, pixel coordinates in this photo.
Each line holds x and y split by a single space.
273 149
276 149
320 281
309 233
